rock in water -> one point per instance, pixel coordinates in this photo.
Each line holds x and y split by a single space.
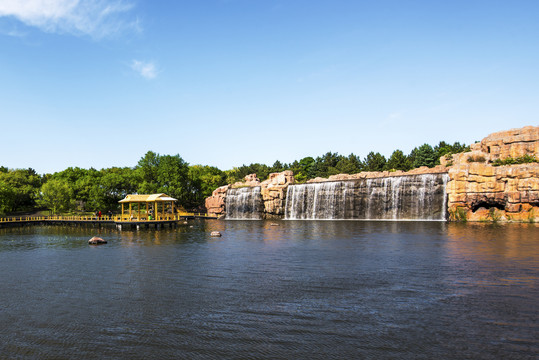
215 234
96 241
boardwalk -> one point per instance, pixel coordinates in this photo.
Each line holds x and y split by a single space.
117 220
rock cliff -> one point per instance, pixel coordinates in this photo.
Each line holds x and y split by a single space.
479 191
215 204
274 193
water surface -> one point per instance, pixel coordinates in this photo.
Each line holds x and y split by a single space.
300 290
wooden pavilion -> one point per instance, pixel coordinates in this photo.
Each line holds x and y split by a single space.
153 207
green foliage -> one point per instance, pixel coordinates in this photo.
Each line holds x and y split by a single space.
494 214
56 195
7 197
277 167
99 190
303 169
238 174
18 189
458 214
515 161
374 162
325 165
398 161
165 174
203 180
424 156
446 149
350 165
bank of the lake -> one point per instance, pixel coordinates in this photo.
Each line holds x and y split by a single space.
303 290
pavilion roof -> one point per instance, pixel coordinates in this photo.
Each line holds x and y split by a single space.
146 198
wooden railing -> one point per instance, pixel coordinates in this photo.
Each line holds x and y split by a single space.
115 218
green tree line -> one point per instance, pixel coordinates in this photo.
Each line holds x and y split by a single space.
334 163
76 189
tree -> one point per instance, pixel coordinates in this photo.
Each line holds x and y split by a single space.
110 186
349 165
398 161
304 169
444 148
165 174
56 195
21 187
7 197
374 162
278 167
81 181
423 156
325 165
209 178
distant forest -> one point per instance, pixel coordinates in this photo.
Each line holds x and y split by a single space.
76 189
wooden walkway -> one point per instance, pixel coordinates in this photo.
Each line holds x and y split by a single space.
119 221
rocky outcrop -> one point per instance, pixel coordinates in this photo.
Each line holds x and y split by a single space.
97 241
479 191
215 204
249 181
440 169
512 143
273 192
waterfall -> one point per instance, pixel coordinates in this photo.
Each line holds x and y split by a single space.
316 201
244 203
409 197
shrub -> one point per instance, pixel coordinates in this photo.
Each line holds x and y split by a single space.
494 214
476 158
459 214
526 159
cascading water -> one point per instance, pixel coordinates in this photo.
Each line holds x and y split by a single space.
410 197
315 201
244 203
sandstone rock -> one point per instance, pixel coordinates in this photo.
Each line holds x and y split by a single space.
251 178
485 190
215 204
248 181
273 192
96 241
512 143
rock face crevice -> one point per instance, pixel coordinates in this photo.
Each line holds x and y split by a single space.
479 191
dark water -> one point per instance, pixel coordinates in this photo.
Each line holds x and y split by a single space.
301 290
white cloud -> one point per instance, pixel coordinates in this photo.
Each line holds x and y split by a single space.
97 18
145 69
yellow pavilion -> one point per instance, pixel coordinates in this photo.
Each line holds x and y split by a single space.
153 207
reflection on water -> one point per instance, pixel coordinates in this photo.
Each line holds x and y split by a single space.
271 290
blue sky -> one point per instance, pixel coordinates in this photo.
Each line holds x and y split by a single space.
231 82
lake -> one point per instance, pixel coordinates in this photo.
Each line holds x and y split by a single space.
299 290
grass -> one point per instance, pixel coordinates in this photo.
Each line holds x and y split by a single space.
459 214
494 214
526 159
